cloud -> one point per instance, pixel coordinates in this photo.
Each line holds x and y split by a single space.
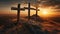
53 2
33 2
45 2
48 2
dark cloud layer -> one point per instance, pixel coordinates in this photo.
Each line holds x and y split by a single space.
53 2
43 2
48 2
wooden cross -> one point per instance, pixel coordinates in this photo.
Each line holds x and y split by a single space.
37 12
29 10
18 11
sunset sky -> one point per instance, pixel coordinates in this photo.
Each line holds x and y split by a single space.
46 7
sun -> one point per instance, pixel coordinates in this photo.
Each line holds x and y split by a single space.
45 12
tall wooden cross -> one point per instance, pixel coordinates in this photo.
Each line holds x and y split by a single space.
18 11
29 10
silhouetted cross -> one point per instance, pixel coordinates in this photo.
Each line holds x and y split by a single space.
18 11
37 12
29 10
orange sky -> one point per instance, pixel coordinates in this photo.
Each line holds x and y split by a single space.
49 11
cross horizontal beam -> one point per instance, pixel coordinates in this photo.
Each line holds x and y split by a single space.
14 8
31 8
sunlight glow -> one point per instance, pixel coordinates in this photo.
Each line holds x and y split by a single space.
44 12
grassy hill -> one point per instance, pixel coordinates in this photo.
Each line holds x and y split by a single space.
8 25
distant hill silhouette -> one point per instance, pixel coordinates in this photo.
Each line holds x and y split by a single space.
33 17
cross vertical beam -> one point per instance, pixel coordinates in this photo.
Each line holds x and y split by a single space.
18 13
36 12
28 11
